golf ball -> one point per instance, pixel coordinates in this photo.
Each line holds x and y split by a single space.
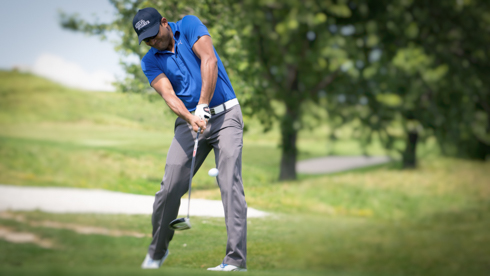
213 172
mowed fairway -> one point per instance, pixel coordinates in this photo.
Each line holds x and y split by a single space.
373 221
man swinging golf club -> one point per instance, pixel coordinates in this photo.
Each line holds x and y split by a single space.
184 68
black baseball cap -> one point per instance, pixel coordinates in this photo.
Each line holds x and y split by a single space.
146 23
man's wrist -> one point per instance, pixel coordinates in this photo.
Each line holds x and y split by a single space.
188 116
203 99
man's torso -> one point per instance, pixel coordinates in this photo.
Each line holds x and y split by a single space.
183 68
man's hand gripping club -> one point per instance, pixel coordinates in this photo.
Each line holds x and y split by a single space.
201 117
196 123
203 112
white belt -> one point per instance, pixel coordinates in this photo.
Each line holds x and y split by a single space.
222 107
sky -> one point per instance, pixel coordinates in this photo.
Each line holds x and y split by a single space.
33 40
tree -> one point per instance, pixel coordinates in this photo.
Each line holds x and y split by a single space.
278 51
420 77
457 34
290 57
389 62
384 93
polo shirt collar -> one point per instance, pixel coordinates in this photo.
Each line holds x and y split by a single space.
175 27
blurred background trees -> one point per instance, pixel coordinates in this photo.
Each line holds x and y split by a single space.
402 71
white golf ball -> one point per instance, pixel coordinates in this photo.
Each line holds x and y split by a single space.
213 172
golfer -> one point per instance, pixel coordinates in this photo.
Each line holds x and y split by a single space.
184 68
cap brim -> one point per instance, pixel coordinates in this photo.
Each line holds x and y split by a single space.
152 31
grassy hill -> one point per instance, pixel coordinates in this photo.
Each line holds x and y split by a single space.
374 221
56 136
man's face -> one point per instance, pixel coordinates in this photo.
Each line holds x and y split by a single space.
164 39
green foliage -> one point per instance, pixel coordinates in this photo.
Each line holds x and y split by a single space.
413 62
456 39
377 62
273 51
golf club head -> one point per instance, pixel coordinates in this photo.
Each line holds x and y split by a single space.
180 224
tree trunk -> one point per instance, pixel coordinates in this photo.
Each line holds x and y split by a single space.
410 154
289 135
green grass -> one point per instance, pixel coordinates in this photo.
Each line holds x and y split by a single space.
445 244
371 221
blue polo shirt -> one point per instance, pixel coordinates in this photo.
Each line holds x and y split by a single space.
183 67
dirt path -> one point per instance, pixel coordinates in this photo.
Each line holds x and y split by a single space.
74 200
331 164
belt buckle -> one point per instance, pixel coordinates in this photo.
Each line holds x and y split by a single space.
212 111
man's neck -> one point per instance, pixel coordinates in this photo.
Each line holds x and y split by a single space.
171 46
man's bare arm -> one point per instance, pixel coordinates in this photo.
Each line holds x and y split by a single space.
204 50
162 86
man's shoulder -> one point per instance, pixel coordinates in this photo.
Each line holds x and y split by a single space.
149 59
189 20
150 55
190 17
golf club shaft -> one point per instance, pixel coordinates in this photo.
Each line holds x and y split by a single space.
192 171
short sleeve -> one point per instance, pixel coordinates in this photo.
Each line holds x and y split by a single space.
150 68
193 29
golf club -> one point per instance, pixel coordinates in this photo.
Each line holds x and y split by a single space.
184 223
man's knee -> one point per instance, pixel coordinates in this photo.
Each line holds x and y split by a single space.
175 178
230 154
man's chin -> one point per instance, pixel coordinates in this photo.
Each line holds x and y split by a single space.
159 48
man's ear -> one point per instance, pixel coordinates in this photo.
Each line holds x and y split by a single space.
164 21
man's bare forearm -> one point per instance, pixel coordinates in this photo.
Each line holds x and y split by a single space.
209 75
177 106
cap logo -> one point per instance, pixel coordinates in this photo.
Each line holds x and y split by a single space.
140 24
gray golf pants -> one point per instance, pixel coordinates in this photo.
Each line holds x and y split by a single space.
224 134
